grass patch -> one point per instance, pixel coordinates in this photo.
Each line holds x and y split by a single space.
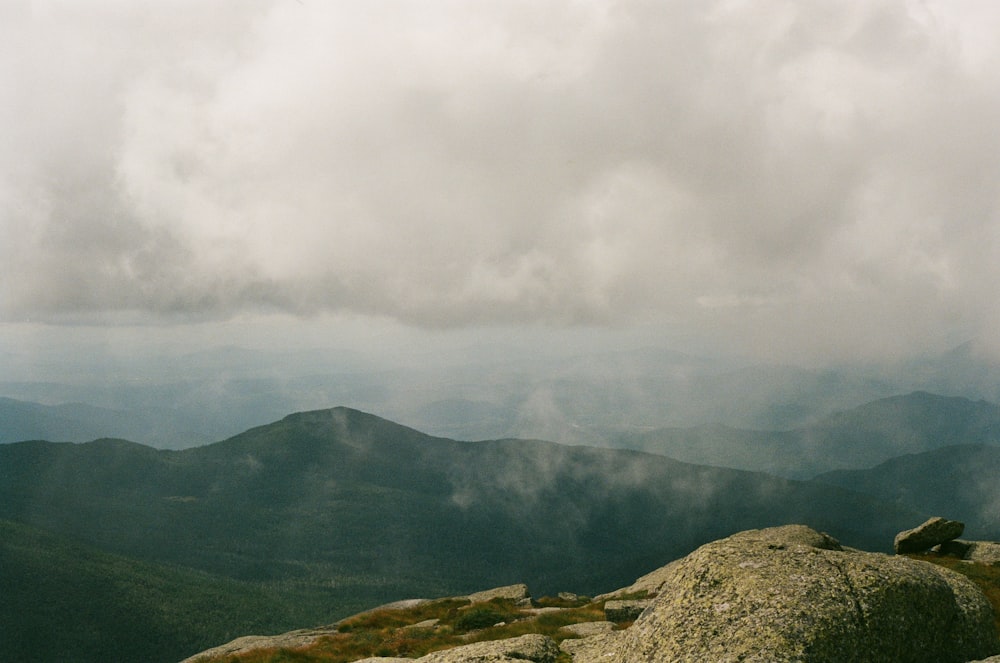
560 602
392 632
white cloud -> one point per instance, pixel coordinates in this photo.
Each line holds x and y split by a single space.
820 173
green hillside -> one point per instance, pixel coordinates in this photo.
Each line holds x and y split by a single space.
67 601
334 510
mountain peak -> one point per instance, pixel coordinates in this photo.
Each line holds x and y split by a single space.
348 420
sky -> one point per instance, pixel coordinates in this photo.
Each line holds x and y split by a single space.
785 180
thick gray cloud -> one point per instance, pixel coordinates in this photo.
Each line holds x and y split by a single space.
813 177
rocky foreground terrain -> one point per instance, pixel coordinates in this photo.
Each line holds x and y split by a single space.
785 593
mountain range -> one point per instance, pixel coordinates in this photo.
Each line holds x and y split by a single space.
336 510
324 513
960 480
857 438
180 399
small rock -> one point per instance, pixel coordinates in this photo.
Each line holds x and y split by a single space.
624 611
427 623
587 629
515 593
924 537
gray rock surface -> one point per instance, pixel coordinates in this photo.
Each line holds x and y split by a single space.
531 647
925 536
984 552
249 643
624 611
649 584
776 595
587 629
515 593
593 649
793 594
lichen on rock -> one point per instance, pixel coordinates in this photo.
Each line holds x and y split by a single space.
793 594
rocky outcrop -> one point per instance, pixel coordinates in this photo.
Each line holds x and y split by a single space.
531 647
648 585
249 643
775 595
792 594
933 532
301 638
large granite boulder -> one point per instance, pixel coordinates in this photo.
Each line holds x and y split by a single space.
793 594
933 532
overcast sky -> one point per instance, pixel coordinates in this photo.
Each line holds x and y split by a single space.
811 179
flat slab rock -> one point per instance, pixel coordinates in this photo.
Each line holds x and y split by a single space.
517 592
925 536
249 643
531 647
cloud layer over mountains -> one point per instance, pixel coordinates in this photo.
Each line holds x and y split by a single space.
816 176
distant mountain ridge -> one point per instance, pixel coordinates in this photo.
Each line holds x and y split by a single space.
349 509
470 393
852 439
962 481
80 422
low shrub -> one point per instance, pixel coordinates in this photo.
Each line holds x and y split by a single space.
479 618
